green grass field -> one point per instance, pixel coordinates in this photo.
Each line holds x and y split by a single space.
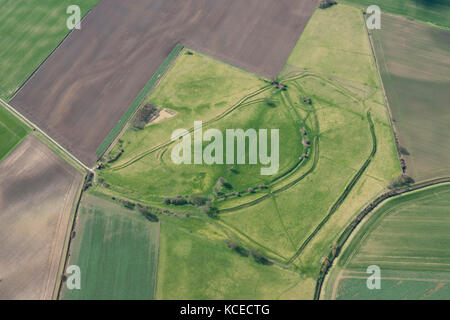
341 49
12 132
194 263
432 11
416 76
408 239
344 73
116 250
29 31
146 171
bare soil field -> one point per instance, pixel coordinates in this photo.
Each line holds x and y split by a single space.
82 90
415 67
37 192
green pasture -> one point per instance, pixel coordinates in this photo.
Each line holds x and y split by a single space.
195 263
12 132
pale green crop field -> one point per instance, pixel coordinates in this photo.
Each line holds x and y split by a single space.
116 250
432 11
29 31
408 239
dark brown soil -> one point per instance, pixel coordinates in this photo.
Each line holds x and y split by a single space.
82 90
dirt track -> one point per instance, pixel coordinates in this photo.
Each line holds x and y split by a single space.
37 192
82 90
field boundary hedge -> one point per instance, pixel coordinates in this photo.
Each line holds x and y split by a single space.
138 101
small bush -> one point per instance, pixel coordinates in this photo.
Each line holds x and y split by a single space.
198 199
144 116
269 102
260 258
234 245
326 3
127 204
403 151
147 213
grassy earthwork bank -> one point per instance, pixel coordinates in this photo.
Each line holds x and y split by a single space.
29 31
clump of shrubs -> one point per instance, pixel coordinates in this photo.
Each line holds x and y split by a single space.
198 200
234 245
325 265
326 3
306 143
279 85
210 210
260 258
233 169
401 181
403 165
88 181
255 254
269 102
146 114
103 182
117 156
147 213
220 185
303 131
178 201
127 204
307 100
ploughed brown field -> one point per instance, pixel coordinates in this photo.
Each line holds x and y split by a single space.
37 193
82 90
